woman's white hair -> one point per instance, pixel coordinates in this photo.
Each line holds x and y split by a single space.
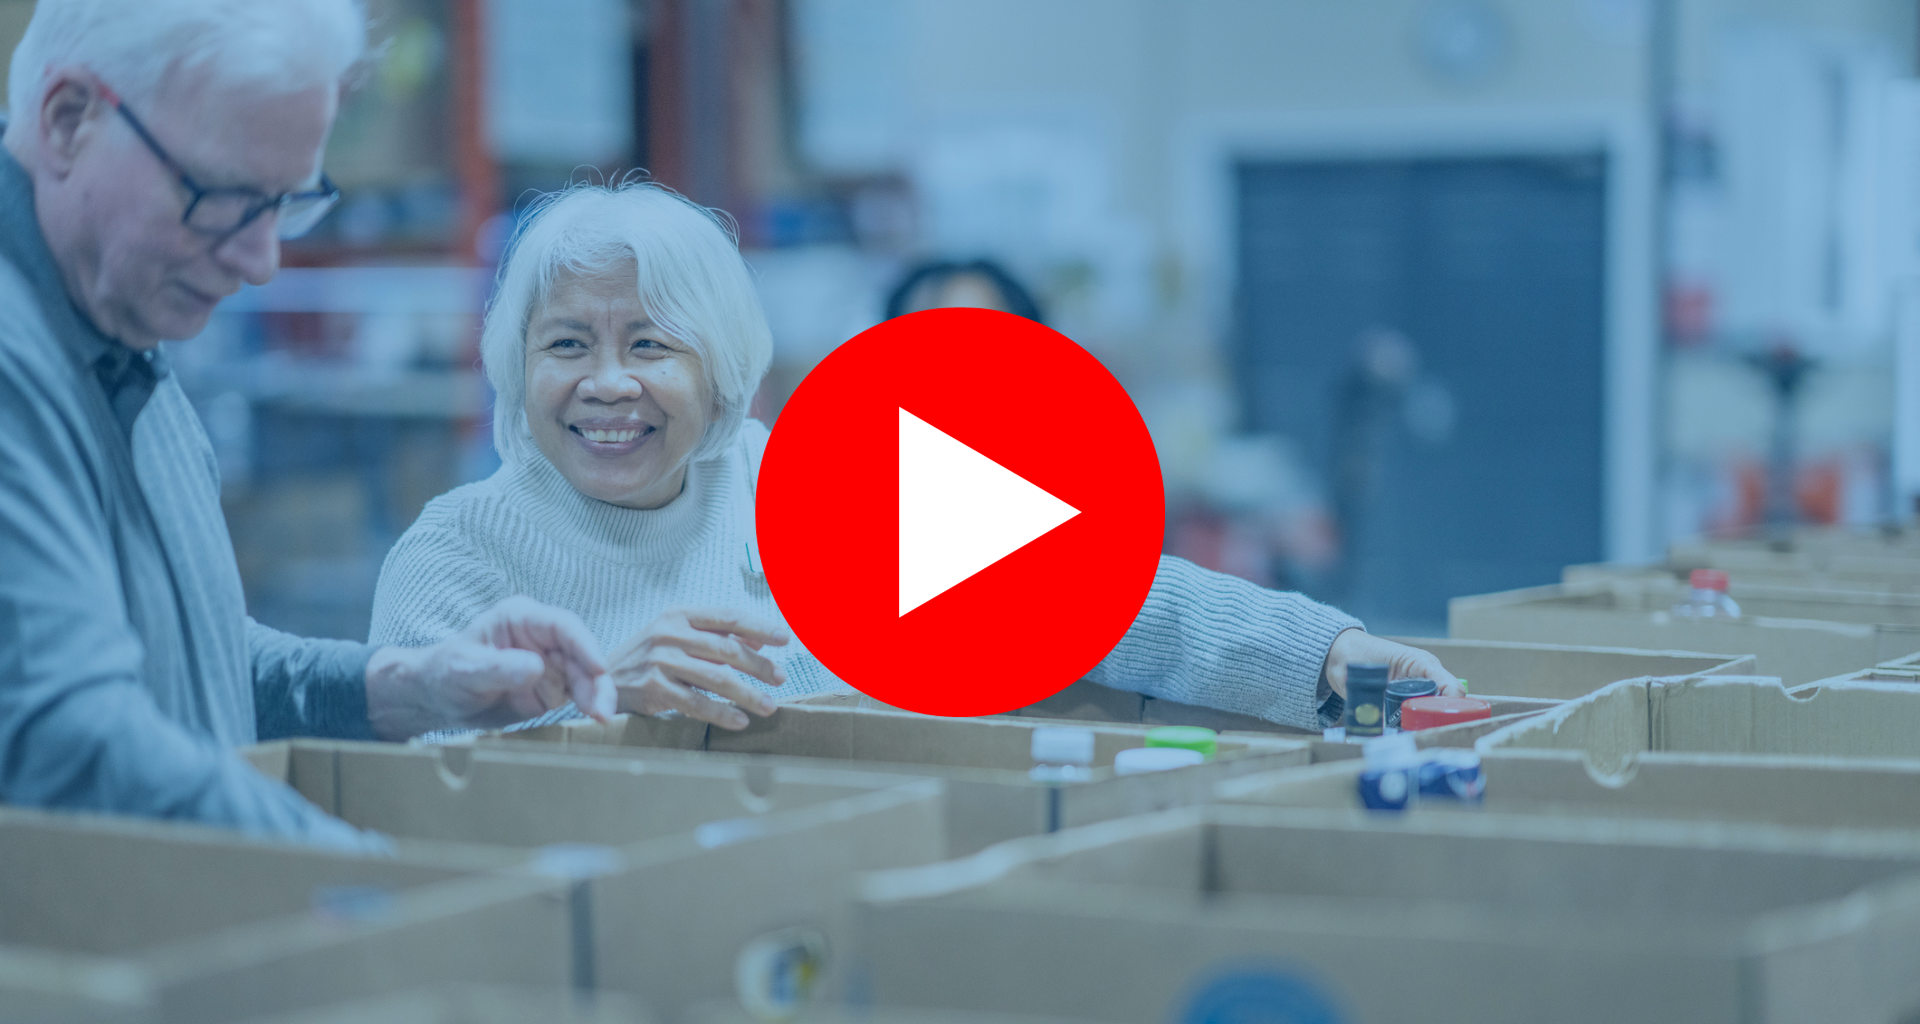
692 282
275 46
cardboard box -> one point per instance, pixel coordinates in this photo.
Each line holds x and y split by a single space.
1799 650
1515 677
728 851
1224 913
983 761
171 923
523 798
1772 789
1724 715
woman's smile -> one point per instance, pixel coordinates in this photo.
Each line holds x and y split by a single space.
611 439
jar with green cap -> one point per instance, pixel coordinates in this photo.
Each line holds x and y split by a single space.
1185 737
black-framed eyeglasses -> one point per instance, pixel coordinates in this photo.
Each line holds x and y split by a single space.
221 212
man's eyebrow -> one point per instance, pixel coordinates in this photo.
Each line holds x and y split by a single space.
641 324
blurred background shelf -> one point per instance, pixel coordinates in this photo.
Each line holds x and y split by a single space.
1418 297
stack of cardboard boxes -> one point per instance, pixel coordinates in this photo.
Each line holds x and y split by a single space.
1665 835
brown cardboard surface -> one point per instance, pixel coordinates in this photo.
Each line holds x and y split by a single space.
983 761
1479 918
1785 790
524 798
1627 614
1725 715
197 925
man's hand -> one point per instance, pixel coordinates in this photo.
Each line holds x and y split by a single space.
1358 647
668 665
518 660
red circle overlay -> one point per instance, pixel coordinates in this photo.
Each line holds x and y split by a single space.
828 509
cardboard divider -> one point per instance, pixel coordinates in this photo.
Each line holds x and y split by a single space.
1833 632
123 919
522 799
1770 789
1336 915
1515 677
1725 715
983 762
1899 670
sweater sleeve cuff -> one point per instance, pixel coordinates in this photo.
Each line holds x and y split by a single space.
338 706
306 687
1303 697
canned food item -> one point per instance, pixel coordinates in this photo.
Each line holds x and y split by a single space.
1402 690
1366 700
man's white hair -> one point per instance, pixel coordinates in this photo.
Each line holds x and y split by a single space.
275 46
692 282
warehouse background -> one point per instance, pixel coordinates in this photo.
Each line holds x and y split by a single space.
1419 297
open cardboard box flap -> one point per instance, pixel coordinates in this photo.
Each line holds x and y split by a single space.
1725 715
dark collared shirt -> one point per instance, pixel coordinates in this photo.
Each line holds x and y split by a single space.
128 667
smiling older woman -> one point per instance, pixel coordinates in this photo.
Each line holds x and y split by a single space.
625 343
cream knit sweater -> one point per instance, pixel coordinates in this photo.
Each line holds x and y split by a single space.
1202 637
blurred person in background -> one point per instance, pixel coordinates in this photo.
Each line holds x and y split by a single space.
625 343
155 154
974 284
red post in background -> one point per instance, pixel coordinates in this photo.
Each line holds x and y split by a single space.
666 92
474 171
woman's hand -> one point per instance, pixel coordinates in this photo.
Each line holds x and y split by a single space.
682 656
519 659
1358 647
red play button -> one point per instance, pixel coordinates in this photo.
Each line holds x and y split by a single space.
960 512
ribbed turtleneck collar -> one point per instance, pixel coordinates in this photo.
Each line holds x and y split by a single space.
625 535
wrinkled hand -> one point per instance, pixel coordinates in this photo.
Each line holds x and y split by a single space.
518 660
1358 647
682 656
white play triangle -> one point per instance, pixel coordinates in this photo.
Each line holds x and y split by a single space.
960 512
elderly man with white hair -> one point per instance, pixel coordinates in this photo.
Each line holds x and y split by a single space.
155 154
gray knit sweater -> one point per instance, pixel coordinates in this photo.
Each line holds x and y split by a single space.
1201 638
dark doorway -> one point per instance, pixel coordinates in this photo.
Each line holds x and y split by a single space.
1431 332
